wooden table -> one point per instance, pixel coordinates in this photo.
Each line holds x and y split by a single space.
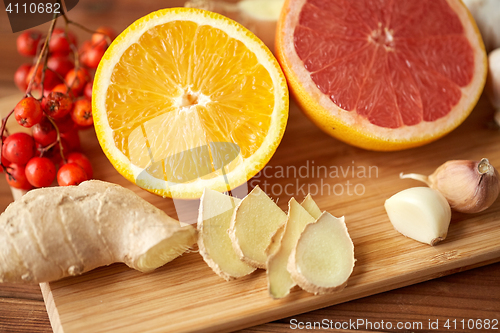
474 294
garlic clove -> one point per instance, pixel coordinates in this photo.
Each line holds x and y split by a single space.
420 213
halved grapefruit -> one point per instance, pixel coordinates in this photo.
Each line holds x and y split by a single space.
386 74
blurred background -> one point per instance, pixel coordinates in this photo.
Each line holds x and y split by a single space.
117 14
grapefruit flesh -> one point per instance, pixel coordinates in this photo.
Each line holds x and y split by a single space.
383 75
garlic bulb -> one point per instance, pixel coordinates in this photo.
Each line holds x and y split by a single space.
468 186
487 16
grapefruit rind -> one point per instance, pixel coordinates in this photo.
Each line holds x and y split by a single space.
194 189
353 129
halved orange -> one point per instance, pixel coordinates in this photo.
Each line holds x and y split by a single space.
386 74
185 99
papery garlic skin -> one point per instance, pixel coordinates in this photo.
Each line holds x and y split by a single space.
420 213
469 186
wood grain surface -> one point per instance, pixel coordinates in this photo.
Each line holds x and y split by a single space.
473 240
185 295
180 296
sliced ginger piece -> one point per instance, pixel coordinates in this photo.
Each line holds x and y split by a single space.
253 225
310 206
323 259
279 279
214 219
275 241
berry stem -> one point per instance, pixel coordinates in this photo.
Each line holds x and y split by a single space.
44 52
77 58
68 21
58 140
45 60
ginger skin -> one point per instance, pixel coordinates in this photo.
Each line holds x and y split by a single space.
52 233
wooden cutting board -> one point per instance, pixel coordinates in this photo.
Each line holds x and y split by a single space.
186 296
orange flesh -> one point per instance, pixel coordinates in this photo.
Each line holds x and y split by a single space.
393 62
182 86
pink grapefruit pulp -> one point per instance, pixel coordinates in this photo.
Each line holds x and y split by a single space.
386 74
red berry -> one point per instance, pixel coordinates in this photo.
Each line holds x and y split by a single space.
84 48
65 124
5 162
46 93
28 112
82 113
82 161
62 88
18 148
65 145
93 56
20 76
17 177
57 105
84 58
44 133
59 43
60 64
50 81
40 171
100 34
71 174
77 79
73 139
27 43
87 92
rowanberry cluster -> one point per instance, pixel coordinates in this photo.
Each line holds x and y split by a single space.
61 74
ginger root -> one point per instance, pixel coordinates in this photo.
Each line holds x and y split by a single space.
52 233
